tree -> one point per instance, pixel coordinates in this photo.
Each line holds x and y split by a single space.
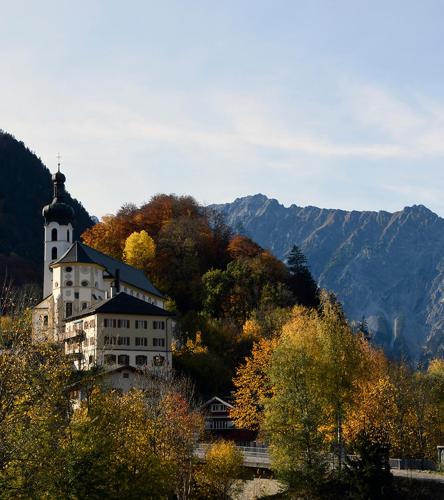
397 407
219 477
368 472
301 281
109 235
139 250
295 419
241 247
253 386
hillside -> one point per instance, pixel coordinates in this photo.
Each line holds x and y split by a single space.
388 267
24 188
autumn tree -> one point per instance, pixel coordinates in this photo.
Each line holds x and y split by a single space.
253 386
397 408
241 247
109 235
219 477
139 250
296 418
35 409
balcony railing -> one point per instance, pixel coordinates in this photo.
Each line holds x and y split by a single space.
74 336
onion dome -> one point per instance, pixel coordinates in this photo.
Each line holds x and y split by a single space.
58 210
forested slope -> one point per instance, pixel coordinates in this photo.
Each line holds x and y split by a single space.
25 186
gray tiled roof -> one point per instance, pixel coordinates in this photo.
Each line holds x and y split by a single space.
81 253
123 303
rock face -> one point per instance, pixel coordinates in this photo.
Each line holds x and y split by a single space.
387 267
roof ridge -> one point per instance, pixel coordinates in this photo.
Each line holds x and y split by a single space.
108 256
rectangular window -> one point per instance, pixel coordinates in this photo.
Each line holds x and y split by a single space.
158 342
141 360
218 424
110 359
68 309
45 320
141 341
123 341
84 305
123 359
106 323
217 407
109 340
158 325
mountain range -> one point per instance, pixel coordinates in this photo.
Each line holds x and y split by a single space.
385 267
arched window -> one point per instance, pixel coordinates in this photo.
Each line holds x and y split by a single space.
67 235
54 234
54 252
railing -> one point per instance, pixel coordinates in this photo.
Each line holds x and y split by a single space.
257 456
76 336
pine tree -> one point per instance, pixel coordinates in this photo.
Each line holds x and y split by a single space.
301 282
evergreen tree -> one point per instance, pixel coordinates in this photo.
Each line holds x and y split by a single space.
363 328
368 472
301 282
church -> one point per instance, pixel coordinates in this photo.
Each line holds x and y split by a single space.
104 312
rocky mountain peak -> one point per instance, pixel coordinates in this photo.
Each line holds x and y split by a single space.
388 267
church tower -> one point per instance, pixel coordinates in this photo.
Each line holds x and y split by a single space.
59 217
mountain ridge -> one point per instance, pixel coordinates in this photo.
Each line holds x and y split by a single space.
386 266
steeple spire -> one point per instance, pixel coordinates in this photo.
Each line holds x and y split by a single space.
58 162
58 210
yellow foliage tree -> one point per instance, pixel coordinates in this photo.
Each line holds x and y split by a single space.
252 386
251 330
219 477
139 250
400 409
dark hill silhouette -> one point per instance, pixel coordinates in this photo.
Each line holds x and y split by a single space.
25 186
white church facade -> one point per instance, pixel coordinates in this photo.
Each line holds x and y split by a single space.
105 313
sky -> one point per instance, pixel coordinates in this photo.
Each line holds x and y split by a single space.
338 104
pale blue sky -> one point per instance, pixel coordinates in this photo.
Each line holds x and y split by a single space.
329 103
